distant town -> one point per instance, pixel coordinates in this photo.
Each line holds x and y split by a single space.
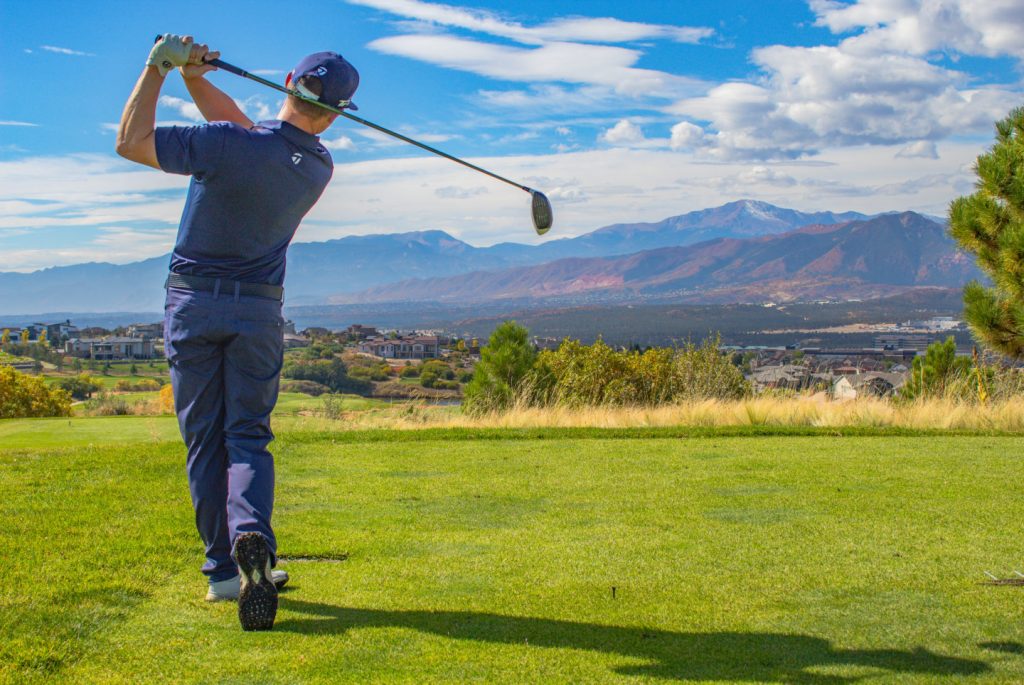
839 372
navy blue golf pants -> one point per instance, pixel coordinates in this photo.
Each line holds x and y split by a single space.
225 354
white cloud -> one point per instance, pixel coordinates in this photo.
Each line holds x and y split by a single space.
920 148
990 28
18 123
624 133
339 143
561 62
459 193
259 109
824 96
687 136
65 51
574 50
187 109
585 29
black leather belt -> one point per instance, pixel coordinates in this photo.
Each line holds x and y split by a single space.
223 286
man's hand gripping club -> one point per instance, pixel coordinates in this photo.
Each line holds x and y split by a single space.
169 52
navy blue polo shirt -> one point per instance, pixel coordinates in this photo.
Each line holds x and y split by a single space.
250 189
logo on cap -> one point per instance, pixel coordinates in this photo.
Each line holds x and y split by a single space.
321 71
296 158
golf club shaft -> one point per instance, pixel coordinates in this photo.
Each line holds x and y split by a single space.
220 64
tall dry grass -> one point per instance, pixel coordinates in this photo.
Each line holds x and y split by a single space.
797 411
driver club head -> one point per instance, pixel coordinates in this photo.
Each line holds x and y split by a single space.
543 216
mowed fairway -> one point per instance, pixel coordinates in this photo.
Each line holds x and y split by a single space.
561 559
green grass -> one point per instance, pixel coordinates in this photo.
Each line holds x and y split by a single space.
492 557
296 402
108 382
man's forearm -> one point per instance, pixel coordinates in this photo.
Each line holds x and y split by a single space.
135 134
215 104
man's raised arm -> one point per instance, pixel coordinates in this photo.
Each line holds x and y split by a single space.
135 139
213 103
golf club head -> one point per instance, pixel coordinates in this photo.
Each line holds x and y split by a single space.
543 216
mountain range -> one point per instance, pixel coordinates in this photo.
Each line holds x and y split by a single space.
856 259
746 249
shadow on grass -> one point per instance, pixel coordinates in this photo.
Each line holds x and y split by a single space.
771 657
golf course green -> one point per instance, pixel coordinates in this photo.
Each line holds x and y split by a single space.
560 557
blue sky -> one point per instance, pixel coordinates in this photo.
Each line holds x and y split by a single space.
621 111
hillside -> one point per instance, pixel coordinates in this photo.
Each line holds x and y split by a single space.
870 258
335 270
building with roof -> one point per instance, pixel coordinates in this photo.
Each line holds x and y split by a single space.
111 349
407 347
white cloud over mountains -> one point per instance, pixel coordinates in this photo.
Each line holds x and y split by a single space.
103 208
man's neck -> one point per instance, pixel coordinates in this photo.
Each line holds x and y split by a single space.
298 120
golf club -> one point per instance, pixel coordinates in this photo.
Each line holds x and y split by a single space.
543 215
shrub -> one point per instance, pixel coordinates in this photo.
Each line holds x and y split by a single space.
939 373
144 385
434 372
332 407
504 368
329 372
108 405
24 396
167 399
377 372
307 387
409 372
590 375
80 387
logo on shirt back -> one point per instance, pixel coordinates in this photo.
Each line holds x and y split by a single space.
296 158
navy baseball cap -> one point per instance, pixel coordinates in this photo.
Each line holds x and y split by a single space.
339 78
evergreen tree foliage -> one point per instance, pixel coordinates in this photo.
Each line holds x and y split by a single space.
937 372
505 364
990 225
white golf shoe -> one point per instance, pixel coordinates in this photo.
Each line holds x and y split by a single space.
228 590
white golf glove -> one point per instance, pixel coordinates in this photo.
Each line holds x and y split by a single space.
169 52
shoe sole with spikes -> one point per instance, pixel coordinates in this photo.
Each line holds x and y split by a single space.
257 599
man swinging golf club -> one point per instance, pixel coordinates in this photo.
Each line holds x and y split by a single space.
223 331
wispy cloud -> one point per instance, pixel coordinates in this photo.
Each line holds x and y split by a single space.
576 50
187 109
581 29
18 123
339 143
65 51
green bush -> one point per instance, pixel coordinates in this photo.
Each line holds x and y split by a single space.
80 387
409 372
940 373
503 372
144 385
434 372
376 372
307 387
23 396
329 372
